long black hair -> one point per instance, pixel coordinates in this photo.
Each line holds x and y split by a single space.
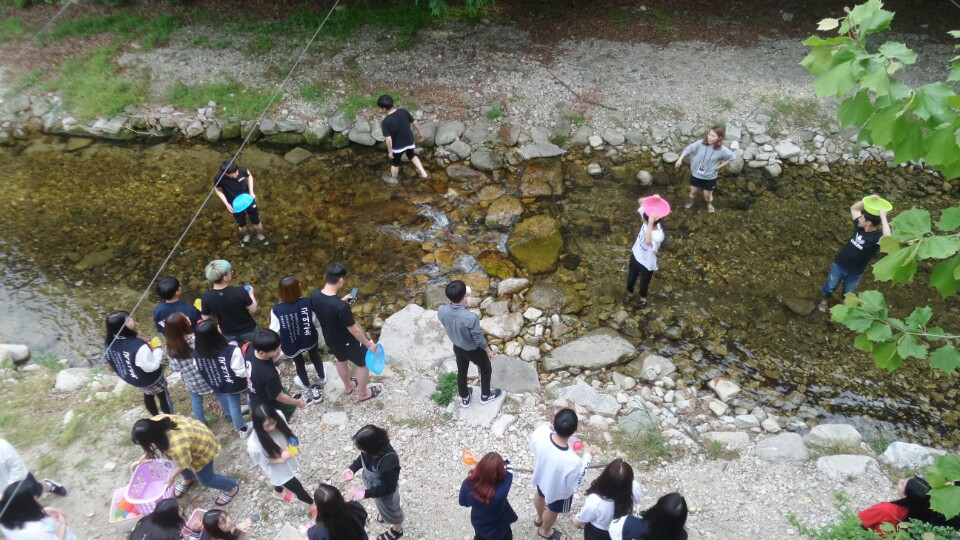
208 339
211 525
117 327
260 414
615 484
339 518
20 504
372 440
667 518
917 502
164 523
151 435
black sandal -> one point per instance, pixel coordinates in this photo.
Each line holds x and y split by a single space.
390 534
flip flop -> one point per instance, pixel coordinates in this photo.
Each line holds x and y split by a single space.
355 384
374 392
181 488
537 524
224 498
557 535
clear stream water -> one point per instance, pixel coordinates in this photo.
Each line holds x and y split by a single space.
717 305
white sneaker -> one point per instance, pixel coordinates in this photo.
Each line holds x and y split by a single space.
689 205
711 209
298 382
245 430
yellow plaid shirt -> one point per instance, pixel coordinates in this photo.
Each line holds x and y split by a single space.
192 444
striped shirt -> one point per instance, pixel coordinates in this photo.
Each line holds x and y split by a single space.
192 444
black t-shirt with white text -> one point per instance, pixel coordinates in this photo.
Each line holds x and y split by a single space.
397 126
335 317
232 186
857 252
229 306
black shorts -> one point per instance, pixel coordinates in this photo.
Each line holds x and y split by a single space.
241 217
560 507
398 156
706 185
355 355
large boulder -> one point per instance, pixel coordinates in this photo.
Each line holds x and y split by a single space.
729 439
479 414
540 150
542 177
536 244
486 160
545 296
907 455
638 421
833 435
339 121
512 286
786 447
584 395
414 337
844 466
655 367
724 388
72 379
597 349
506 326
496 264
478 133
448 132
514 376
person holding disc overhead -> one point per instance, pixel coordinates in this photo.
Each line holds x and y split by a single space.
869 226
643 255
234 186
707 157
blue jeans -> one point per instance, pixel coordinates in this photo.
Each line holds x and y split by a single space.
231 404
196 401
850 281
209 478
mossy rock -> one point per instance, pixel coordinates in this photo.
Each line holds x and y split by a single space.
340 140
284 139
495 264
536 244
317 135
230 130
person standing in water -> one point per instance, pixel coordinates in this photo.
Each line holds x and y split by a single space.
643 256
399 137
231 182
707 157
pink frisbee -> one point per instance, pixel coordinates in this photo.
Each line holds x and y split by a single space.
655 205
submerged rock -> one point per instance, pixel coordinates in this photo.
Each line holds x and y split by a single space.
536 244
542 177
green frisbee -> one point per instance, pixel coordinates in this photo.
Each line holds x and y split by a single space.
876 205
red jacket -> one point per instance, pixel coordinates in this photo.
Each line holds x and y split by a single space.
885 512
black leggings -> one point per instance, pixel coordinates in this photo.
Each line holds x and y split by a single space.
637 269
151 404
297 489
300 362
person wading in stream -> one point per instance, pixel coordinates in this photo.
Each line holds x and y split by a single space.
231 182
707 157
399 137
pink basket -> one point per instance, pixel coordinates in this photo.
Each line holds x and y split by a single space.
149 484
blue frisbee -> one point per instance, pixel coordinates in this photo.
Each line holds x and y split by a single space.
377 360
242 202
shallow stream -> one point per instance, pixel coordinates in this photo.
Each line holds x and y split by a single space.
717 305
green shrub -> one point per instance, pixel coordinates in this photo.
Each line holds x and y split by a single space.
850 528
446 389
235 99
494 113
11 28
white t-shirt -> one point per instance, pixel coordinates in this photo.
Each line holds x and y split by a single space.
558 471
599 511
647 255
278 473
12 468
45 529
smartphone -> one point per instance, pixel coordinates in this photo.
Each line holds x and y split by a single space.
353 295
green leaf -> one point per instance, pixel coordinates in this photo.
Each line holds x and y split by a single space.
945 358
938 247
942 149
949 219
837 81
855 111
914 223
828 24
946 500
954 73
863 343
870 17
877 80
817 41
818 60
944 276
930 100
889 245
898 267
885 356
879 331
895 49
881 125
909 142
909 347
920 317
873 301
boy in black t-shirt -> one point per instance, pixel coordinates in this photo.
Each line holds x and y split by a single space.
168 289
230 182
232 306
399 137
853 259
264 380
